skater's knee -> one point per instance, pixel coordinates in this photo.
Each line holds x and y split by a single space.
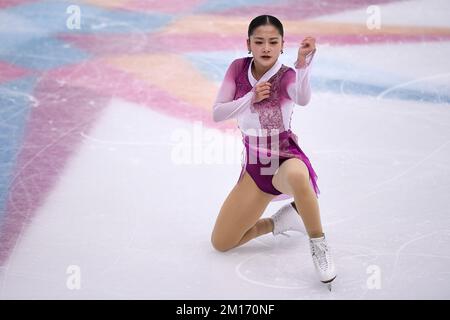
298 180
221 247
220 244
296 173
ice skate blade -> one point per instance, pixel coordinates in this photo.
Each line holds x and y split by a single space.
328 283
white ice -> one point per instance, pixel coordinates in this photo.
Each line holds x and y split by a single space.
138 226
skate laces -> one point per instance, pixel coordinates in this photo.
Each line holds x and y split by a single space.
281 224
280 229
320 252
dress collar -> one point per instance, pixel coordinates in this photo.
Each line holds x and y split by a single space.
266 76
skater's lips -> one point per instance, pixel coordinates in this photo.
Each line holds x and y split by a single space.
266 57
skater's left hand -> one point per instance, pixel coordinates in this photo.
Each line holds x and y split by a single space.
307 46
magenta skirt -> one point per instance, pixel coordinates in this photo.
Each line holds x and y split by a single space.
263 156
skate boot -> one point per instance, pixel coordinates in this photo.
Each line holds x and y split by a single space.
323 260
287 219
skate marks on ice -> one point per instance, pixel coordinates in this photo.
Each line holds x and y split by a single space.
424 80
414 271
285 264
282 264
385 185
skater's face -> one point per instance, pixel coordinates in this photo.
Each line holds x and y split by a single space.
266 44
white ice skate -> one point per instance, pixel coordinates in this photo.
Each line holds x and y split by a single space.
323 260
287 219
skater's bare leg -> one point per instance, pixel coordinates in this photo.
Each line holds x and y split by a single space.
261 227
293 178
239 218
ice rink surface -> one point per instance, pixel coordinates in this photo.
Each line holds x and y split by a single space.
112 171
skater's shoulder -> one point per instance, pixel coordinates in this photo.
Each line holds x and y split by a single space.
242 59
241 62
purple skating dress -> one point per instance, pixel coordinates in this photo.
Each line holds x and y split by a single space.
266 125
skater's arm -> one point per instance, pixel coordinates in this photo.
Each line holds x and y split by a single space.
224 106
297 83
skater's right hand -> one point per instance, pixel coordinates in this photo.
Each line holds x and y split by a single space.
262 91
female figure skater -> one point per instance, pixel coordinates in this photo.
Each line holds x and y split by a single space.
260 93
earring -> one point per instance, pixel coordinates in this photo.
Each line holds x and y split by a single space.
249 52
281 51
